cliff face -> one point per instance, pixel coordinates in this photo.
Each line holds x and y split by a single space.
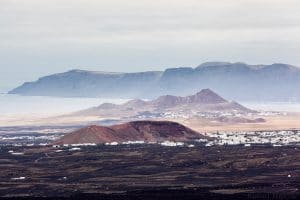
238 81
150 131
80 83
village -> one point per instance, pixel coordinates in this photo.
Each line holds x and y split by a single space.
246 138
275 138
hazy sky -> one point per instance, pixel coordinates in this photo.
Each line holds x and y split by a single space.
40 37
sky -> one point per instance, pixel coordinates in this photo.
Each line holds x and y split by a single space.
41 37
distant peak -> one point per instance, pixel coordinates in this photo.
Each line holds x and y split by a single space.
167 101
76 71
245 65
107 106
206 91
167 97
282 66
211 64
234 66
207 96
135 103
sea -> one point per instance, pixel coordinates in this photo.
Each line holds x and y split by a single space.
273 106
43 105
14 106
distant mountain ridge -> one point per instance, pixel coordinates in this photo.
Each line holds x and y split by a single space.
238 81
148 131
204 97
204 101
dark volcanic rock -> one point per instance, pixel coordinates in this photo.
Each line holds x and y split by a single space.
150 131
151 172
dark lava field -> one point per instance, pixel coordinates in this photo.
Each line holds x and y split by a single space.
150 172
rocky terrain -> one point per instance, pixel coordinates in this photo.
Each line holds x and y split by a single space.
148 131
238 81
150 172
204 103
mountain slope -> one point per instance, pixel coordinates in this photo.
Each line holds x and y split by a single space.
149 131
204 101
80 83
238 81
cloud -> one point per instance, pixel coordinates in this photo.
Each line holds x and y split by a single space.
129 35
63 19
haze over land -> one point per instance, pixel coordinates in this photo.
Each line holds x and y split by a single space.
202 111
109 99
237 81
259 84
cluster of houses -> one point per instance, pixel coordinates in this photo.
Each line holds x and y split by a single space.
275 138
185 114
247 138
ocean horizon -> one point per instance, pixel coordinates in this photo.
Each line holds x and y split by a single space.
11 104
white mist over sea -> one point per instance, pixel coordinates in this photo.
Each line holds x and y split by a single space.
15 104
273 106
43 105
